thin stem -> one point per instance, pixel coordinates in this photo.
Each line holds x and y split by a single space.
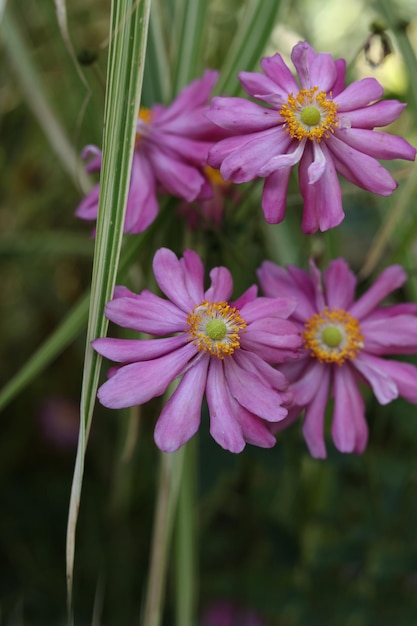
186 569
167 498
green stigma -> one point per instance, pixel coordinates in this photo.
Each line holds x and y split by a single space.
331 336
310 116
216 330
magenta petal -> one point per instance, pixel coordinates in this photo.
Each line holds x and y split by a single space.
88 207
142 206
255 430
224 427
268 307
137 383
313 426
250 391
340 285
303 56
373 370
129 350
248 296
193 272
348 432
261 87
359 94
274 195
305 387
339 84
323 72
176 177
180 417
390 279
191 97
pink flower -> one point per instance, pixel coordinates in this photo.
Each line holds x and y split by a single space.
319 124
344 343
220 349
171 151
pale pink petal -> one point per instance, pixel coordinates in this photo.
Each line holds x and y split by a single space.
348 432
313 426
276 282
261 87
192 96
176 177
268 307
224 427
340 285
254 430
193 272
253 363
137 383
180 417
247 296
373 370
359 94
283 161
142 205
405 377
390 279
323 72
88 207
305 388
339 83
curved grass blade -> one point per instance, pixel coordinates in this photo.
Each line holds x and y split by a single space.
255 28
129 25
189 36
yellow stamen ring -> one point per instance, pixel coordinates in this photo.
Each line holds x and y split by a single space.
309 114
333 336
215 327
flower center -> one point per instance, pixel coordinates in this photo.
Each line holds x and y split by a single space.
333 336
215 327
309 114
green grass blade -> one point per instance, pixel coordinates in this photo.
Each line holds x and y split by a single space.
129 24
190 23
255 28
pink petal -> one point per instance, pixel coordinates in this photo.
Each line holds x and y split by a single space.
137 383
276 69
376 144
283 161
392 335
248 296
405 377
323 199
390 279
358 94
224 427
252 393
305 388
340 285
176 177
88 207
180 417
313 426
130 350
147 313
378 114
241 116
254 430
255 364
339 84
361 169
268 307
221 285
303 56
323 72
349 429
192 96
274 195
142 206
262 88
193 272
276 282
373 370
173 278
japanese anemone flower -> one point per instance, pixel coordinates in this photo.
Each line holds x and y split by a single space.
222 349
172 145
319 124
345 341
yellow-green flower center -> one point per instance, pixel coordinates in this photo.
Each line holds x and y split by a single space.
333 336
311 113
215 327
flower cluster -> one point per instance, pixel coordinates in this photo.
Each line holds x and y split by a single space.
261 362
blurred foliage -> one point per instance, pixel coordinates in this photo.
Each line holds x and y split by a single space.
303 542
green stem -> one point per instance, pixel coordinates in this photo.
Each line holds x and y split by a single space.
167 498
186 570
